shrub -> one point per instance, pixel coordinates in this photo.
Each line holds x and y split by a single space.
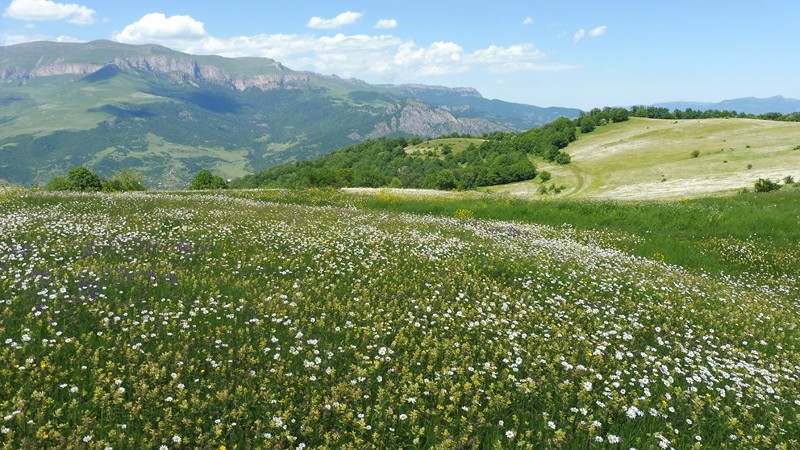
563 158
83 179
125 180
545 176
78 179
766 185
58 184
695 153
207 180
446 180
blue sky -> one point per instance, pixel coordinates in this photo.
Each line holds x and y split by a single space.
548 53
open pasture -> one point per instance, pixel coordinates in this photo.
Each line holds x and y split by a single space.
210 321
653 159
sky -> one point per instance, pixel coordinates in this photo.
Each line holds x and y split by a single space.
582 53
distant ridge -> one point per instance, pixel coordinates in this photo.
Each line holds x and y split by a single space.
748 105
169 114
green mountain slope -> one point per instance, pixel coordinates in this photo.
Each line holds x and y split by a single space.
109 106
652 158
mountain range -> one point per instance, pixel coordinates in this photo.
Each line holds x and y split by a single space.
168 114
749 105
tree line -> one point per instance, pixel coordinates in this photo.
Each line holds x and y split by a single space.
587 121
82 179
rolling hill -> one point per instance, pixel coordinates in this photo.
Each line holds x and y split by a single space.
652 159
109 106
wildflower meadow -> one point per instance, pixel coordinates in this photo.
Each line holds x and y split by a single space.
172 321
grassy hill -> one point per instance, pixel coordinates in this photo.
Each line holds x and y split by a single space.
438 146
652 158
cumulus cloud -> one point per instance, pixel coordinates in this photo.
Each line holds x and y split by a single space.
599 31
68 39
158 28
49 10
386 24
528 21
377 58
593 33
343 19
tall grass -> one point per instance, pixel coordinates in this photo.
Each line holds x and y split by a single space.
156 320
696 234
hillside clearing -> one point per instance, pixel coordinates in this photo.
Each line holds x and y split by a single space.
652 159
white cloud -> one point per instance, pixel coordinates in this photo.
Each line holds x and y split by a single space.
599 31
578 35
386 24
49 10
68 39
377 58
13 39
158 28
528 21
343 19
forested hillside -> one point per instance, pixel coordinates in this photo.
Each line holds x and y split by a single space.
495 158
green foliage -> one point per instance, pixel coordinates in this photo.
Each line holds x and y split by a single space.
206 180
695 153
766 185
544 176
445 180
58 184
82 179
384 162
125 180
563 158
656 112
78 179
548 141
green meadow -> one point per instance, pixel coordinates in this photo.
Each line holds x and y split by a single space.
388 319
653 159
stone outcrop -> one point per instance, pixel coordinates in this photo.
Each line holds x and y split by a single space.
417 118
182 70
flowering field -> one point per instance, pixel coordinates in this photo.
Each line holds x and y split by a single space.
200 321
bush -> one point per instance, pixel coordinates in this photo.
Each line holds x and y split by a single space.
695 153
446 180
563 158
58 184
207 180
124 180
766 185
78 179
545 176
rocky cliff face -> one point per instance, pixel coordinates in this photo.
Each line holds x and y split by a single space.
46 70
417 118
182 70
